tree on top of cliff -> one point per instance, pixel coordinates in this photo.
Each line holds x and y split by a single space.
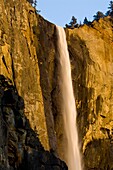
33 2
73 23
86 21
110 12
98 15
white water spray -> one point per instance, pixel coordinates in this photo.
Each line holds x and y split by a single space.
68 104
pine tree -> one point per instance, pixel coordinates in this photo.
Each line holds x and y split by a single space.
33 2
86 21
107 13
73 23
111 8
98 15
30 1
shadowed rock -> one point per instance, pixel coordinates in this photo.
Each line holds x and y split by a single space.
20 147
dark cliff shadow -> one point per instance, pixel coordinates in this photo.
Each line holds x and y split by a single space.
20 147
46 64
100 153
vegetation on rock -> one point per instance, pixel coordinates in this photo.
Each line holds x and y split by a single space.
73 23
98 15
33 2
86 21
110 11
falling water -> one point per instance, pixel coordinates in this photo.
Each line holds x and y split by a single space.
68 104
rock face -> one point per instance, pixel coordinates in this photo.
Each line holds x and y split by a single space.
20 147
91 53
24 47
20 31
30 113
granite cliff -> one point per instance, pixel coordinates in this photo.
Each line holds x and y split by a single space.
29 92
91 53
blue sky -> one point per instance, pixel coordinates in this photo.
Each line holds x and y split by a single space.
60 11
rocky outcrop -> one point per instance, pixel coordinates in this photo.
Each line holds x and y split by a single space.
23 49
20 147
91 53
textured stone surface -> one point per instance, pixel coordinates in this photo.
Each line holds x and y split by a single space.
20 147
29 58
91 53
18 60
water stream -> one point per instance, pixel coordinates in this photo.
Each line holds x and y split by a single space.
72 153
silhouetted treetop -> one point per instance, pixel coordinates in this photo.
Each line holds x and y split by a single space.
110 11
111 6
33 2
30 1
98 15
86 21
73 23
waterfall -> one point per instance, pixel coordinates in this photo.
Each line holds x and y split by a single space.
72 153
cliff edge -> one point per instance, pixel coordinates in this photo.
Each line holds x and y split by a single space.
91 54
